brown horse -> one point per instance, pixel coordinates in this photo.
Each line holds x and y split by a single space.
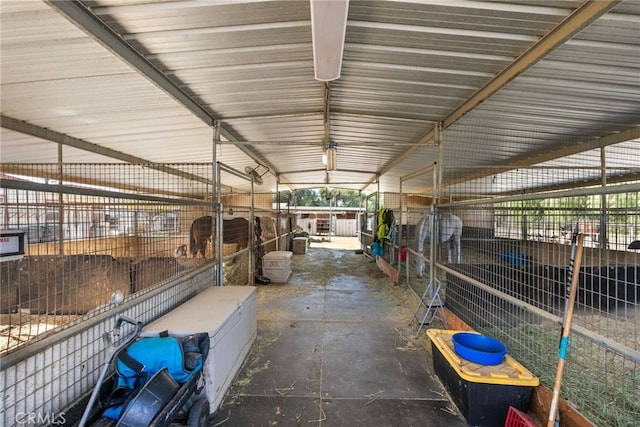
236 230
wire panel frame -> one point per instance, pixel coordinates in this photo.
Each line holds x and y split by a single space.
512 279
102 240
98 235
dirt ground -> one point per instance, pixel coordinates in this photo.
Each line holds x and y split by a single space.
335 242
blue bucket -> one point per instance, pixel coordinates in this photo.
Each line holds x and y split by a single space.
514 258
479 348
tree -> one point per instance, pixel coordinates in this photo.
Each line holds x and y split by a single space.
306 197
322 197
350 199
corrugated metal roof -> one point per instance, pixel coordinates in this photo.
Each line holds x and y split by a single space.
249 65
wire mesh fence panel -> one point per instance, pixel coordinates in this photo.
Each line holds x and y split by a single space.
96 235
514 270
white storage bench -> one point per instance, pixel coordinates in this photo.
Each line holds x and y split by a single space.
228 314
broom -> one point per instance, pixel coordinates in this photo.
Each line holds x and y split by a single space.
574 264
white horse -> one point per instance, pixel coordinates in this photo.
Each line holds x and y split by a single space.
450 229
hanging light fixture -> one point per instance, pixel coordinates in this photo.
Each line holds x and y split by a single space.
328 28
332 153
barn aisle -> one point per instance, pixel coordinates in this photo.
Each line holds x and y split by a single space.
334 349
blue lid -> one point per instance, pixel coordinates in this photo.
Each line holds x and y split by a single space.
479 348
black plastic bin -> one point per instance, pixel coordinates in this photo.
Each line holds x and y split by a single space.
482 393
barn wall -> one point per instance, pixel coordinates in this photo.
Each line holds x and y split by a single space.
118 247
346 227
261 201
416 202
341 227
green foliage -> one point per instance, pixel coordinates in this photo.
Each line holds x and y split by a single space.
322 197
350 199
307 197
621 208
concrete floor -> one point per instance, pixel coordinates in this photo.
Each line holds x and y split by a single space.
334 348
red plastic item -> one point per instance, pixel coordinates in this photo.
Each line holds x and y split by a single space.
401 254
517 418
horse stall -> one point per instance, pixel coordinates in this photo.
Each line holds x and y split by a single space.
516 260
123 239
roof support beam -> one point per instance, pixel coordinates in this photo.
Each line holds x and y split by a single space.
60 138
53 136
315 184
87 21
84 19
584 15
580 147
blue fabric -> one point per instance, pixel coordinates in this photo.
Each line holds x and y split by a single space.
155 354
377 249
113 412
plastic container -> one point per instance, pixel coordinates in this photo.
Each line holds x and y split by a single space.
517 418
479 348
229 315
277 259
276 265
277 275
300 245
482 393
